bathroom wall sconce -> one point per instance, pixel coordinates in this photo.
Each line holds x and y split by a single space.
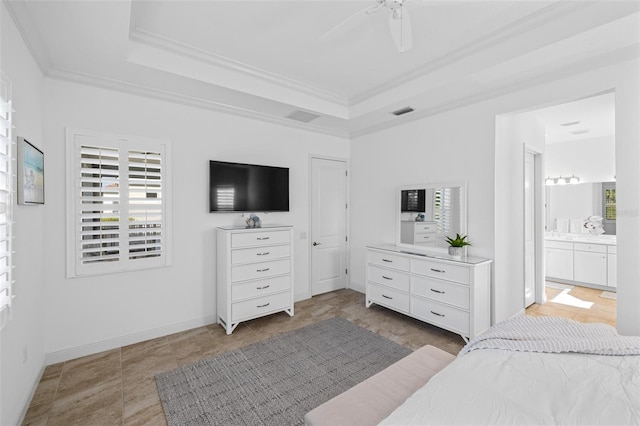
562 180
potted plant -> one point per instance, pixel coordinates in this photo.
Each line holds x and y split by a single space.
457 244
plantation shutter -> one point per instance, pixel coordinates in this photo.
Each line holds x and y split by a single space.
120 218
6 200
442 210
145 204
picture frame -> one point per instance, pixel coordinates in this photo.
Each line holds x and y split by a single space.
30 173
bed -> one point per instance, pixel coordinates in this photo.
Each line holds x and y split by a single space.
529 371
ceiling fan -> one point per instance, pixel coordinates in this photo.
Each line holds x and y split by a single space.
399 23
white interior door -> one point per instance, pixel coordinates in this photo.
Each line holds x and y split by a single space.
328 225
529 230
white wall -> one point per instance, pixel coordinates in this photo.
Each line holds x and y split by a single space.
85 315
465 144
26 329
592 160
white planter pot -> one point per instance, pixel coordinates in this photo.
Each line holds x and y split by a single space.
456 251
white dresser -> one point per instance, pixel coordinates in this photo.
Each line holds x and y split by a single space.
255 269
420 233
454 294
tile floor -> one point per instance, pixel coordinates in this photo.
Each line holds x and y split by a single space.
117 387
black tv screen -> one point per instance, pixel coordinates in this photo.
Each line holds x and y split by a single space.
235 187
412 200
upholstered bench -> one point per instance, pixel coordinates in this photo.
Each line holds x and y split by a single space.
370 402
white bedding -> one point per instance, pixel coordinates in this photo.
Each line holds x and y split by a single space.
498 386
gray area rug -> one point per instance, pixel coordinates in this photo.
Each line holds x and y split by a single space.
276 381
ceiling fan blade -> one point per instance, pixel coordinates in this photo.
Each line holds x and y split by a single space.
351 22
400 26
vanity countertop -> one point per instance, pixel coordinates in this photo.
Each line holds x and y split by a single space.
430 254
609 240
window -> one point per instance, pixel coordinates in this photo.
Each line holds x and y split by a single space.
118 203
6 200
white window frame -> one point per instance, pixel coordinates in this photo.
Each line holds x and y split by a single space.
125 261
7 171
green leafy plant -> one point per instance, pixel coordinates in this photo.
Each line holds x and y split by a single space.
458 241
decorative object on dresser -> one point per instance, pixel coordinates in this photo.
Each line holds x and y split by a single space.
457 245
255 266
450 293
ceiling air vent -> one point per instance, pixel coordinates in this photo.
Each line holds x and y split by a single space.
571 123
402 111
302 116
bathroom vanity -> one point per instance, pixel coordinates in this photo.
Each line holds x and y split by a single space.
583 260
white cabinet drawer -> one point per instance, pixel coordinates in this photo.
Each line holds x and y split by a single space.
424 238
612 250
441 291
438 314
558 245
594 248
389 260
439 270
249 239
590 267
260 306
389 277
422 228
260 254
260 270
260 287
389 297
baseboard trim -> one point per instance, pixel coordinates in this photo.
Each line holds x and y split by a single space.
127 339
27 402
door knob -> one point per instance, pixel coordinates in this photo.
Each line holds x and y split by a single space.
315 244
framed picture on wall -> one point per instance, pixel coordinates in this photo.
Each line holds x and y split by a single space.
30 173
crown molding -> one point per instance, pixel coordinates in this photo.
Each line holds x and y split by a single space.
543 16
140 90
155 40
626 54
21 18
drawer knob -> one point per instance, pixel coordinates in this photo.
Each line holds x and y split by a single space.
437 291
263 306
263 287
387 260
262 270
435 313
438 270
262 238
387 297
262 254
387 278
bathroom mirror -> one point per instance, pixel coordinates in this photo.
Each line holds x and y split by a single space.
427 213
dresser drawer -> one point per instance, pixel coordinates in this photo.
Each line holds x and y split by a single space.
389 260
594 248
392 298
442 315
441 291
424 238
260 287
249 239
389 277
260 254
260 306
260 270
422 228
445 271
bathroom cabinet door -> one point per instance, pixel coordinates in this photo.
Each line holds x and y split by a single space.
559 263
590 267
612 272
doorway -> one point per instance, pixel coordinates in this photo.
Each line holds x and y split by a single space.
329 210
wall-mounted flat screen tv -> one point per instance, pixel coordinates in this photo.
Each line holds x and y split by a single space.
235 187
